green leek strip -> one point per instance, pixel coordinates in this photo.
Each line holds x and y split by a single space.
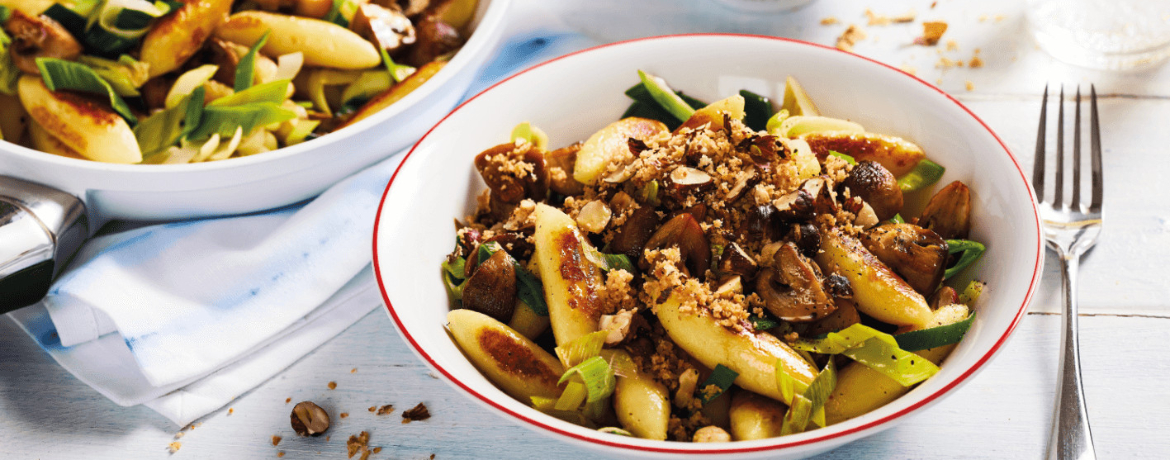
71 20
225 120
924 174
757 110
971 293
302 129
162 130
581 349
4 13
571 398
924 339
639 93
666 97
650 193
62 74
835 343
9 74
341 12
722 377
398 72
796 419
622 365
273 92
595 410
885 357
776 121
609 262
615 430
247 65
598 377
531 291
542 403
847 158
453 277
125 75
810 405
764 322
456 268
530 134
897 219
971 250
790 388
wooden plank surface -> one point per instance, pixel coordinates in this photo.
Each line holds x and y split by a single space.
1003 412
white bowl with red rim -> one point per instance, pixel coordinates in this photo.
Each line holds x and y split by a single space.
575 95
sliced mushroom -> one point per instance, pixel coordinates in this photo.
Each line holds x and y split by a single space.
514 244
944 296
761 223
560 170
814 196
793 290
387 28
807 238
877 186
434 38
631 238
844 316
226 56
916 254
736 261
684 231
491 289
949 212
513 172
39 37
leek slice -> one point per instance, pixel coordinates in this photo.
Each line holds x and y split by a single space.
763 322
300 131
9 74
575 393
793 127
971 250
810 405
188 81
644 106
757 110
615 430
530 134
776 120
581 349
289 65
897 219
453 277
530 290
162 130
273 92
924 174
847 158
126 74
608 262
62 74
971 293
599 378
666 97
875 349
722 377
247 65
650 193
225 120
398 72
342 12
924 339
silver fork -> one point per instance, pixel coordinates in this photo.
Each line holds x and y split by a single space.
1070 229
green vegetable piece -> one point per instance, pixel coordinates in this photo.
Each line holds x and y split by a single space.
398 72
530 289
69 19
530 134
971 250
9 74
125 75
776 121
934 337
4 13
666 97
972 292
62 74
847 158
273 92
875 349
763 323
897 219
639 93
573 395
340 10
455 268
598 377
225 120
757 110
247 65
584 347
162 130
650 193
924 174
722 377
808 405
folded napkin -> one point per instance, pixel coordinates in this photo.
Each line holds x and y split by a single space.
186 316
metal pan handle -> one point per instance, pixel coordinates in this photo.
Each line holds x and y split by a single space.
40 228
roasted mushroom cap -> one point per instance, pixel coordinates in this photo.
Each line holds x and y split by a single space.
684 231
735 261
387 28
39 37
792 290
491 289
513 173
560 170
434 38
844 316
944 296
631 238
916 254
877 186
949 212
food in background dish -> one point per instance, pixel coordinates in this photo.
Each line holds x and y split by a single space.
168 82
699 272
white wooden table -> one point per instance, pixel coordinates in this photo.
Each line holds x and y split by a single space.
1004 412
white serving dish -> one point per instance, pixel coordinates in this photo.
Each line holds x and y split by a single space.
572 96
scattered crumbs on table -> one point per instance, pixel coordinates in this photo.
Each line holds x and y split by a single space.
230 410
938 82
287 400
873 19
933 4
432 375
327 438
932 32
332 385
432 456
952 45
353 371
358 443
829 21
983 18
970 86
946 63
905 18
275 440
385 409
373 408
1000 17
909 69
344 414
179 435
175 446
418 412
975 62
280 454
377 450
850 37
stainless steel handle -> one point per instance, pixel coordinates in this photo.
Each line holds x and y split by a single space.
1071 438
40 228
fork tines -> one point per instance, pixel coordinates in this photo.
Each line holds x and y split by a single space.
1056 200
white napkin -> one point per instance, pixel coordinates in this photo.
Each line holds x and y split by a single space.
186 316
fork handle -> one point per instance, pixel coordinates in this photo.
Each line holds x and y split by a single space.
1071 438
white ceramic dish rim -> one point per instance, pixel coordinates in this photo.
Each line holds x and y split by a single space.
797 440
492 18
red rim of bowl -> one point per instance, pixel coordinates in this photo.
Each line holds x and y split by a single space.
928 399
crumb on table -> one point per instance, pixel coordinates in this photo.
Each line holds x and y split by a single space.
287 400
231 410
829 21
344 414
931 33
332 385
970 86
384 409
850 37
275 440
358 443
353 371
418 412
174 446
